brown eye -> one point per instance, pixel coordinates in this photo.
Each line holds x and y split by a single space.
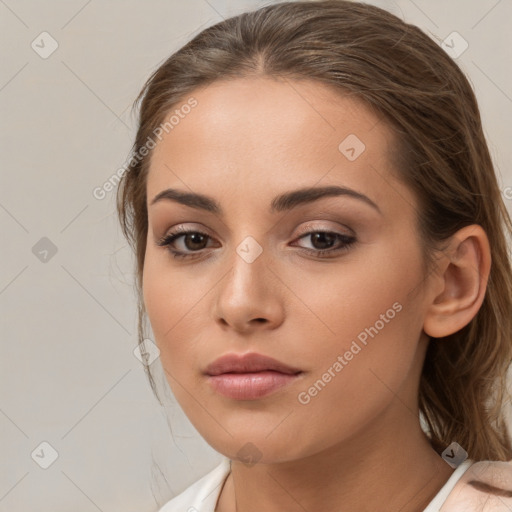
193 241
323 241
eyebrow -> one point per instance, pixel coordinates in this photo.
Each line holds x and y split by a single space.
280 203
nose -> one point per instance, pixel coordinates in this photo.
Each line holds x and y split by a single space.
250 296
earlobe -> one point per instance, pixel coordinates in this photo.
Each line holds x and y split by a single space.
462 277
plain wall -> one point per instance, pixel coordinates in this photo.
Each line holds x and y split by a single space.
69 376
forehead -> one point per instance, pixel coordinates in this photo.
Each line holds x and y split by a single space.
258 133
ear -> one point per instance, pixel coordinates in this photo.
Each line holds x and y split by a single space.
458 288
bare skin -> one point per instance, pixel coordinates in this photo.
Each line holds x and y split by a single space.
357 443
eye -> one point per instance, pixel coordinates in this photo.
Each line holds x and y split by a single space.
323 241
195 241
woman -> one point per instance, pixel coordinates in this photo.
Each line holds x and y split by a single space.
321 252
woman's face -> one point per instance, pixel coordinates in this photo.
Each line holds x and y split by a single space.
343 310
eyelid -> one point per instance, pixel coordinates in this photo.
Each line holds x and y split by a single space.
307 230
311 226
186 227
304 229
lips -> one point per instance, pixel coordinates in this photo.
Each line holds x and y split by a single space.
249 376
248 363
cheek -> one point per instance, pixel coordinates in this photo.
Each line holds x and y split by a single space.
370 294
367 315
364 350
327 308
174 301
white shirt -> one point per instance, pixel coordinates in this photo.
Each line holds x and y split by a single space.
454 496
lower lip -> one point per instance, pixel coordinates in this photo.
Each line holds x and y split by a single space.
250 386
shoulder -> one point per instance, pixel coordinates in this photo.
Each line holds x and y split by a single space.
486 486
203 494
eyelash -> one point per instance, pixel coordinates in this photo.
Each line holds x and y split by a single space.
169 238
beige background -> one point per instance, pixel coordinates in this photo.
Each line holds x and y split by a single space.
68 373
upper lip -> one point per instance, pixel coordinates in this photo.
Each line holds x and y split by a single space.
247 363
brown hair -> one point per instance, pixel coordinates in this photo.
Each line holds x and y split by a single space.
441 155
